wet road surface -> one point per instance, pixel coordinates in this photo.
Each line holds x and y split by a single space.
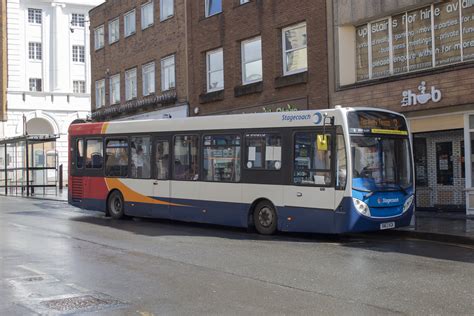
57 259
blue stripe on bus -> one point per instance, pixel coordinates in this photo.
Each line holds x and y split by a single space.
344 220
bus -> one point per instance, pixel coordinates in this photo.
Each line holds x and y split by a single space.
327 171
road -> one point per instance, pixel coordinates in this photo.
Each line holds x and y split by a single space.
56 259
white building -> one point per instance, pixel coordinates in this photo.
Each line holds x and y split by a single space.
48 67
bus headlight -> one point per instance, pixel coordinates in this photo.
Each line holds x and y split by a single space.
408 203
361 207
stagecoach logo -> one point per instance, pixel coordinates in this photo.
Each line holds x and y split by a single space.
387 201
317 117
411 98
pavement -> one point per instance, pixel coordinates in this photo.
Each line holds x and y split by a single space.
440 225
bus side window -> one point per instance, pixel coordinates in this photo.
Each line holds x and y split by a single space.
341 167
162 159
312 163
116 159
263 151
140 148
94 154
79 154
186 165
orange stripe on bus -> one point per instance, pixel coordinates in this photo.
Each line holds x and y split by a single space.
104 127
132 196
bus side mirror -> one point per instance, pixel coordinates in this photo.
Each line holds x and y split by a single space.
322 142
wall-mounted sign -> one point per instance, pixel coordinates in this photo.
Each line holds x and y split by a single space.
424 96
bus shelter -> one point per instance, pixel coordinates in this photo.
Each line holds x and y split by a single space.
28 165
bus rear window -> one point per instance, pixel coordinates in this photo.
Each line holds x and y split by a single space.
80 154
263 151
94 156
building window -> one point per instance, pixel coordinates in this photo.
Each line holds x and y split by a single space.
78 54
129 23
78 20
147 15
99 93
131 84
215 70
167 73
244 1
312 162
35 51
186 165
99 37
114 31
252 60
166 9
222 158
79 86
94 155
36 84
116 158
34 16
115 89
295 49
213 7
420 155
415 40
141 157
148 73
263 151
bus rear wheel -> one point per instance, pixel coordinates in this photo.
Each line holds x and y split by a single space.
116 205
265 218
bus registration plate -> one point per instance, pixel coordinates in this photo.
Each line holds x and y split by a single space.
387 225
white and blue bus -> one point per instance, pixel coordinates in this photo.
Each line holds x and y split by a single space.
325 171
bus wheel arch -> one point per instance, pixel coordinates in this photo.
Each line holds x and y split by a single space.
263 216
115 206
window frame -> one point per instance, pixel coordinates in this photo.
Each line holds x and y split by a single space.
99 44
81 84
207 8
143 78
37 49
125 24
222 133
285 51
35 16
36 80
103 99
111 99
142 8
78 23
244 63
79 52
133 86
162 61
111 25
328 131
208 71
162 18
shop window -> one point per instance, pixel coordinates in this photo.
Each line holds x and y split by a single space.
80 154
421 161
444 163
116 159
141 157
94 154
312 164
263 151
162 159
186 165
222 158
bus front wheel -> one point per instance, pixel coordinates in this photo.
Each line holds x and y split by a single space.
265 218
116 205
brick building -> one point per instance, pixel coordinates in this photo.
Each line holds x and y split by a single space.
3 62
228 57
414 57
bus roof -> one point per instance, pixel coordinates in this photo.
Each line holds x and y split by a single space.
219 122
